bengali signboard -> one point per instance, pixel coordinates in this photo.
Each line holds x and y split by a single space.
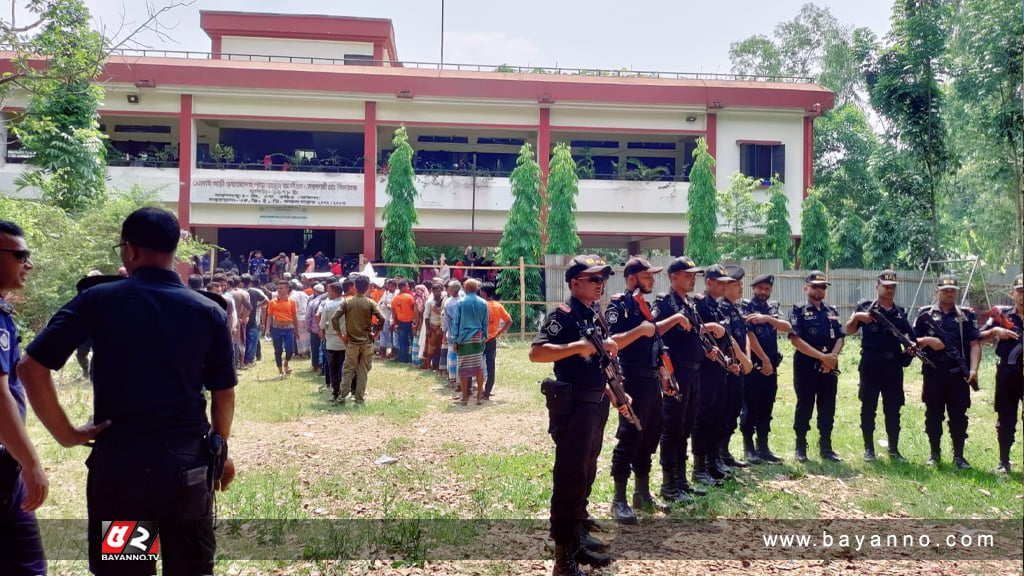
268 192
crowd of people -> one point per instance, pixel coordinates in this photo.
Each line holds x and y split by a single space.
694 368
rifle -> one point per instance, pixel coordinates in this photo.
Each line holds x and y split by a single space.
665 369
612 374
876 312
707 342
954 353
999 316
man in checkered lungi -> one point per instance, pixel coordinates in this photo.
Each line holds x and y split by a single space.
469 331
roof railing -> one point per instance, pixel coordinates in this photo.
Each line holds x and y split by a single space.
497 68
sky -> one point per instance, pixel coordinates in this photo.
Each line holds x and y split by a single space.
662 35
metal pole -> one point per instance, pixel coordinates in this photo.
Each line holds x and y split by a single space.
522 296
472 217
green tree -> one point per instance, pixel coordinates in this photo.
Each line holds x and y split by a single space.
702 207
563 187
814 226
844 145
741 215
61 122
778 234
849 239
397 239
521 237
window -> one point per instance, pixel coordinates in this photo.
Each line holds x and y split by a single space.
502 141
444 139
306 154
651 145
594 144
142 129
358 60
763 160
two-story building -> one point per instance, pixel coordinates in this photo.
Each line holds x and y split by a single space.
278 137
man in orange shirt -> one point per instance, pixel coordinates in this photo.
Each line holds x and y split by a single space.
498 322
403 307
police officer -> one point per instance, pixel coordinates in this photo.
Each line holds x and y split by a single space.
577 402
762 384
818 339
1006 331
23 483
732 293
679 327
882 360
708 469
151 362
639 359
951 334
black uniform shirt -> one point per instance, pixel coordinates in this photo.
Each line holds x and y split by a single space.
683 345
708 311
156 345
622 315
1009 351
960 330
766 334
819 327
875 339
566 325
735 323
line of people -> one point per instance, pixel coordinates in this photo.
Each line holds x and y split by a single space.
696 367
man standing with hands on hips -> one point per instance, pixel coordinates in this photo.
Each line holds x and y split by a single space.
818 339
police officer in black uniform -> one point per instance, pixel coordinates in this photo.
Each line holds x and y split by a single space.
679 327
708 469
1006 330
882 360
818 339
762 384
156 346
734 382
639 359
952 335
577 403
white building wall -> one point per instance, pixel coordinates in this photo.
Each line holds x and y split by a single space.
321 51
411 110
765 126
566 115
264 106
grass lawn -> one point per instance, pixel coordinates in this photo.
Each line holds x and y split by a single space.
300 457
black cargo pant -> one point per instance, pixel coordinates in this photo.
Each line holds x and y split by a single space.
163 480
880 375
578 431
710 385
678 416
732 407
945 393
1009 395
635 448
759 393
813 389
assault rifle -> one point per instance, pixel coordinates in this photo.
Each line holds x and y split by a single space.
879 316
707 342
1000 317
613 375
954 353
668 374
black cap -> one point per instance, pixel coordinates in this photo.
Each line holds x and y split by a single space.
587 264
817 277
887 277
637 264
718 272
735 272
1018 281
683 264
768 279
947 281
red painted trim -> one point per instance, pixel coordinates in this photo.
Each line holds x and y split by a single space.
215 46
456 84
761 142
378 52
808 154
625 130
106 113
712 137
459 125
186 154
298 26
278 118
370 181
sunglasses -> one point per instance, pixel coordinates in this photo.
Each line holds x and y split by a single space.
593 279
19 255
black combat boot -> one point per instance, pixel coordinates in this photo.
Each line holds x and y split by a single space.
565 564
727 458
669 489
588 540
936 453
591 557
894 449
869 447
642 499
684 485
801 449
958 455
826 451
621 511
748 450
764 451
700 474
